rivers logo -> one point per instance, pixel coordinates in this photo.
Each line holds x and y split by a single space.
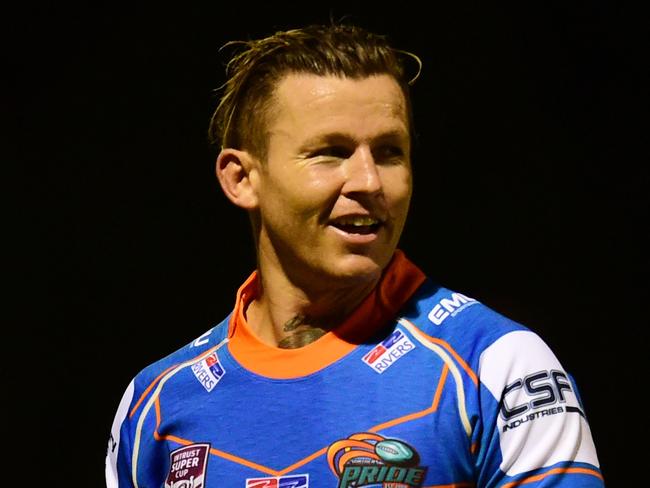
187 466
384 354
208 371
368 459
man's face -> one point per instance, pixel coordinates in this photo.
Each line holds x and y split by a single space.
334 192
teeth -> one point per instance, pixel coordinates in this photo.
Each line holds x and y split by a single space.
357 221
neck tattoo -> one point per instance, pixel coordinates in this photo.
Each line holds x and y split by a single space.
301 338
301 333
294 323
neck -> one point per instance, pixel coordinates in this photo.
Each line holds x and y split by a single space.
289 315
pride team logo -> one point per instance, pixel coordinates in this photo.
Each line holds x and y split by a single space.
369 459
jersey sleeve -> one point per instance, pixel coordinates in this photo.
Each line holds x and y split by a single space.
118 454
533 428
135 457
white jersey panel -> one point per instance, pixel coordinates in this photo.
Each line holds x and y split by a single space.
540 420
114 441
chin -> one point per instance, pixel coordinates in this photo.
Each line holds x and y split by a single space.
359 267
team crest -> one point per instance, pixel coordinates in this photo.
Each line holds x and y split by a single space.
187 466
368 459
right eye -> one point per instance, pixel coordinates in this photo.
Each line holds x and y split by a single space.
339 152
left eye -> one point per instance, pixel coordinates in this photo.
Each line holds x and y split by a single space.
388 152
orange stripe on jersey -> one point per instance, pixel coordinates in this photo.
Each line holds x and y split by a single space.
302 462
421 413
178 440
237 459
149 388
400 280
217 452
244 462
551 472
158 416
451 351
156 404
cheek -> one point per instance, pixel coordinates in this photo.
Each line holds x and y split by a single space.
312 193
398 189
297 203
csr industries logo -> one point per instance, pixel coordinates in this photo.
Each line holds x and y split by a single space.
536 395
384 354
450 307
368 459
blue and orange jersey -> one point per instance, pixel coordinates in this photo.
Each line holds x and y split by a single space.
420 387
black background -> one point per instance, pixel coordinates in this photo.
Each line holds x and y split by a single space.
530 195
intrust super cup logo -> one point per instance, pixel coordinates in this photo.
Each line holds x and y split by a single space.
187 466
368 459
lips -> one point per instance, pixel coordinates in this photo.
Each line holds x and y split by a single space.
357 224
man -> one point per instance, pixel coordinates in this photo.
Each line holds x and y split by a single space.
341 364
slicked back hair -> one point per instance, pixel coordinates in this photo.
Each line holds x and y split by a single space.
241 119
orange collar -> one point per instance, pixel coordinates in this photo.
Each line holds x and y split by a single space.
398 283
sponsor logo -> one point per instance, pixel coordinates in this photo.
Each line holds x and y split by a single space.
187 466
532 416
450 307
209 371
534 392
384 355
293 481
368 459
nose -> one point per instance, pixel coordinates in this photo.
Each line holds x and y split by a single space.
361 172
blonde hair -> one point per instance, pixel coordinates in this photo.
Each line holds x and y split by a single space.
241 117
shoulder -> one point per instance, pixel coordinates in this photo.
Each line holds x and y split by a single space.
459 320
188 352
497 349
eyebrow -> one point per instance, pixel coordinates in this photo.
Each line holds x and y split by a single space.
341 138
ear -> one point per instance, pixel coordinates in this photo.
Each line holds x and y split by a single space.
236 172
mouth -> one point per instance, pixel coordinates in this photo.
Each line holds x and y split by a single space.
357 224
